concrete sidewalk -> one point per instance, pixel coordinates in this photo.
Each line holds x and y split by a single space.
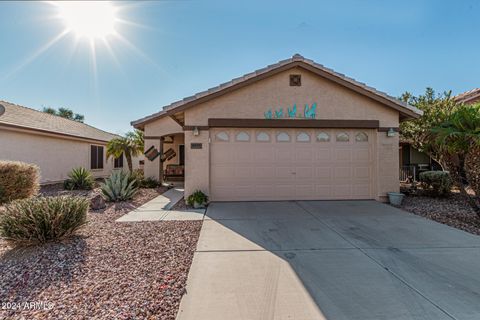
158 209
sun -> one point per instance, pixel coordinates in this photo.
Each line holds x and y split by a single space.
88 19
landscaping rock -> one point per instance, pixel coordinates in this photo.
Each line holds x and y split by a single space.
97 202
109 271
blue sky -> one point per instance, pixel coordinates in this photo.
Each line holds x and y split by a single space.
182 47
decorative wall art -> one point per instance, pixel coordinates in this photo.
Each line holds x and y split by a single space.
151 153
309 112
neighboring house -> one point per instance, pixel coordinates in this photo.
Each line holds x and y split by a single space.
469 97
292 130
412 161
54 143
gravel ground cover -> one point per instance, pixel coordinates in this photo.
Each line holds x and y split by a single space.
110 270
453 211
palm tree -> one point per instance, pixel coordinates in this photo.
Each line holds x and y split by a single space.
458 138
131 146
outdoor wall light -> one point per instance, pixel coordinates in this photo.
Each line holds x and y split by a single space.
391 132
196 132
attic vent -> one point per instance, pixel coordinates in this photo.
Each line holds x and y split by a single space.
295 80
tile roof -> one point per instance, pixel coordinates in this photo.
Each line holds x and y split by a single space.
468 95
27 118
295 58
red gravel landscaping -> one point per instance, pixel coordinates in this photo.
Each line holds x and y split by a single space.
111 270
453 211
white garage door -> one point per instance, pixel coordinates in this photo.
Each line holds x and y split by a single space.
291 164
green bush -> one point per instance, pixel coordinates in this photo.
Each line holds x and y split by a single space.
42 219
436 183
79 179
197 198
119 186
18 180
149 183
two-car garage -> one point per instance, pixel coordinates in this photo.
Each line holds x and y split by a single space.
291 164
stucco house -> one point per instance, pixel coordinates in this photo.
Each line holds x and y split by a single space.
292 130
54 143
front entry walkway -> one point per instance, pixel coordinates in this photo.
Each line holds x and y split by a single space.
329 260
159 209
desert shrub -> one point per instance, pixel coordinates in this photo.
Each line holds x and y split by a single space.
79 179
198 197
149 183
18 180
42 219
436 183
119 186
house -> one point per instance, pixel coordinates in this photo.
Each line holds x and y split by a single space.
54 143
412 161
469 97
292 130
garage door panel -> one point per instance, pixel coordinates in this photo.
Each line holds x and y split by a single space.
304 172
263 154
343 155
284 191
304 191
272 170
264 172
323 154
342 172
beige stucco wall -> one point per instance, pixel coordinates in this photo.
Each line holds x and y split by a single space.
55 156
333 102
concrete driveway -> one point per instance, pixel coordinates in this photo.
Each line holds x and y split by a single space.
330 260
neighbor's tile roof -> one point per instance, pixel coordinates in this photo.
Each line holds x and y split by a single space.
23 117
468 95
294 58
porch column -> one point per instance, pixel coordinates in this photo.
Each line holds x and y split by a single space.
160 169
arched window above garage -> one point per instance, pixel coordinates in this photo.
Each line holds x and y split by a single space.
323 137
343 137
361 137
262 136
283 137
303 137
222 136
242 136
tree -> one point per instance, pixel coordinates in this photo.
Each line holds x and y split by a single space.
131 145
436 110
457 139
65 113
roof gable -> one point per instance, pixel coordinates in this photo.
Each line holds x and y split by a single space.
297 60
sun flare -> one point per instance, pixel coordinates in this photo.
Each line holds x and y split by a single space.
88 19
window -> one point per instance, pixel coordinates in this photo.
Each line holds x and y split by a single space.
323 137
96 157
343 137
263 136
283 137
361 137
295 80
242 136
118 162
303 137
221 136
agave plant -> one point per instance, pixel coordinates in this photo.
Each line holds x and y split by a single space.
119 187
79 178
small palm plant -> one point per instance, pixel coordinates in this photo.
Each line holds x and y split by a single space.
129 146
459 139
119 187
79 178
